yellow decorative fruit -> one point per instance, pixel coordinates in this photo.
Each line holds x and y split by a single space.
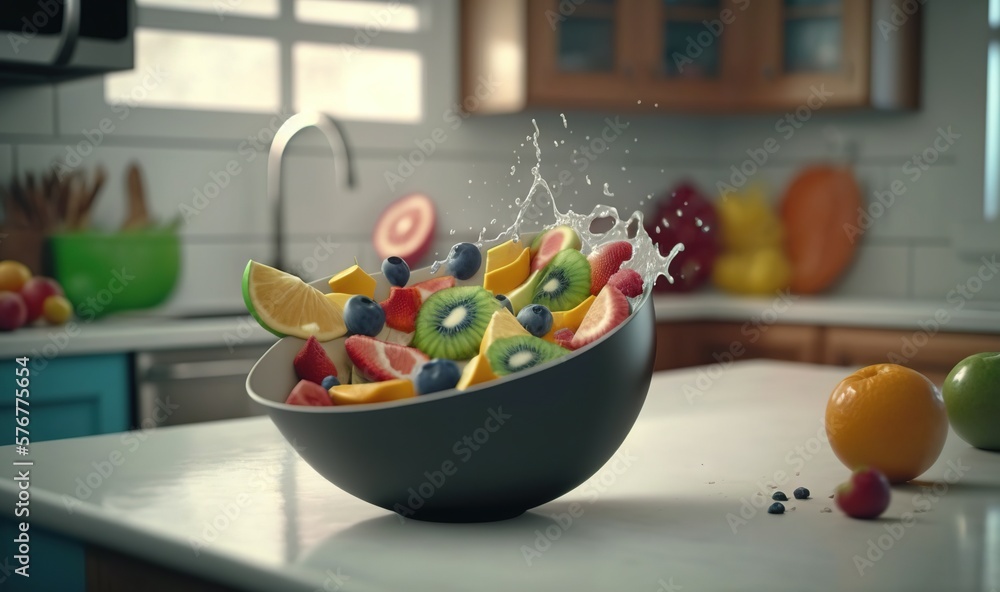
476 371
13 275
569 319
502 324
57 310
372 392
353 281
510 276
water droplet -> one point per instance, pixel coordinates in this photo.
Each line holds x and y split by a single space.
563 115
512 169
657 230
698 222
493 221
587 177
661 170
641 202
656 104
680 213
607 191
626 151
623 168
451 232
639 102
555 143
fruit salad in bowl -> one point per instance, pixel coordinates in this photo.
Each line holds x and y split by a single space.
472 390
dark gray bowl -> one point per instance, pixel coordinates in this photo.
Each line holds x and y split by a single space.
487 453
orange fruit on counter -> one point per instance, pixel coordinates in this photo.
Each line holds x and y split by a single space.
13 275
888 417
57 310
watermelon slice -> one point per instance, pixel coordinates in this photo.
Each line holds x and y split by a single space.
379 360
547 244
405 228
430 286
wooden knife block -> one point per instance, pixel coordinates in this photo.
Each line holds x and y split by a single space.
27 246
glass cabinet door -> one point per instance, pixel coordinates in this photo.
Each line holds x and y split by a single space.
813 36
690 48
586 37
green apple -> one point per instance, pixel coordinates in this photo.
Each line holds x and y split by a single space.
972 396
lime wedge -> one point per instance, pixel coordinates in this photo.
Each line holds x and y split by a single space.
285 305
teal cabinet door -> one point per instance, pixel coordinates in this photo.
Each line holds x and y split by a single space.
69 396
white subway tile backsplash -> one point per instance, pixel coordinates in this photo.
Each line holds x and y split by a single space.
27 109
211 277
942 275
225 192
877 272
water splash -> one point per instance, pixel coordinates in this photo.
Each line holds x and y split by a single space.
563 115
607 190
540 202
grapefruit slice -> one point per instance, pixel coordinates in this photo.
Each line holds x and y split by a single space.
547 244
405 228
285 305
608 311
379 360
428 287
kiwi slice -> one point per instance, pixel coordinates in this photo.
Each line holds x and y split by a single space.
451 322
565 281
513 354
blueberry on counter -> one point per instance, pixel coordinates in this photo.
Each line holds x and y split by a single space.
801 493
776 508
780 496
396 271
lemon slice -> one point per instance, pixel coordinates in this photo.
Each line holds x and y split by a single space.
285 305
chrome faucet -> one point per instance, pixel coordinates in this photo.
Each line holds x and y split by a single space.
342 167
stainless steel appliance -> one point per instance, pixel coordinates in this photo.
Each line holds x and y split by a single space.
51 40
187 386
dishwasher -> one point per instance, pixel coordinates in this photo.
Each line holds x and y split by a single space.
193 385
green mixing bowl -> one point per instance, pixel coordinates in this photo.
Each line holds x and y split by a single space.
105 273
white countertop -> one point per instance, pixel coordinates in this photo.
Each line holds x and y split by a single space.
665 514
128 333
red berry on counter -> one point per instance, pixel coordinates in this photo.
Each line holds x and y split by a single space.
865 495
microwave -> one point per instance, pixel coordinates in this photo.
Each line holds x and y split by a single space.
51 40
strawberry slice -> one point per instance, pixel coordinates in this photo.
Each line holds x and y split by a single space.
428 287
605 261
401 308
310 394
628 281
312 363
608 311
564 338
378 360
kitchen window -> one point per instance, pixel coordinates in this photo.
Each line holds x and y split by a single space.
358 60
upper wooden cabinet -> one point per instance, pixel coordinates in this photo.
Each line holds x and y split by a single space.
691 55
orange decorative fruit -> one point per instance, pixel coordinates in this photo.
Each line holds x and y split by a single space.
13 275
819 210
888 417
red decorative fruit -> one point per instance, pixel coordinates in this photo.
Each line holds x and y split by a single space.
405 228
13 312
312 363
35 291
605 261
865 495
310 394
401 308
627 281
608 311
428 287
378 360
685 217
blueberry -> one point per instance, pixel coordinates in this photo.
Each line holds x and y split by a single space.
776 508
464 260
437 375
396 271
505 302
780 496
363 316
801 493
536 319
330 382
